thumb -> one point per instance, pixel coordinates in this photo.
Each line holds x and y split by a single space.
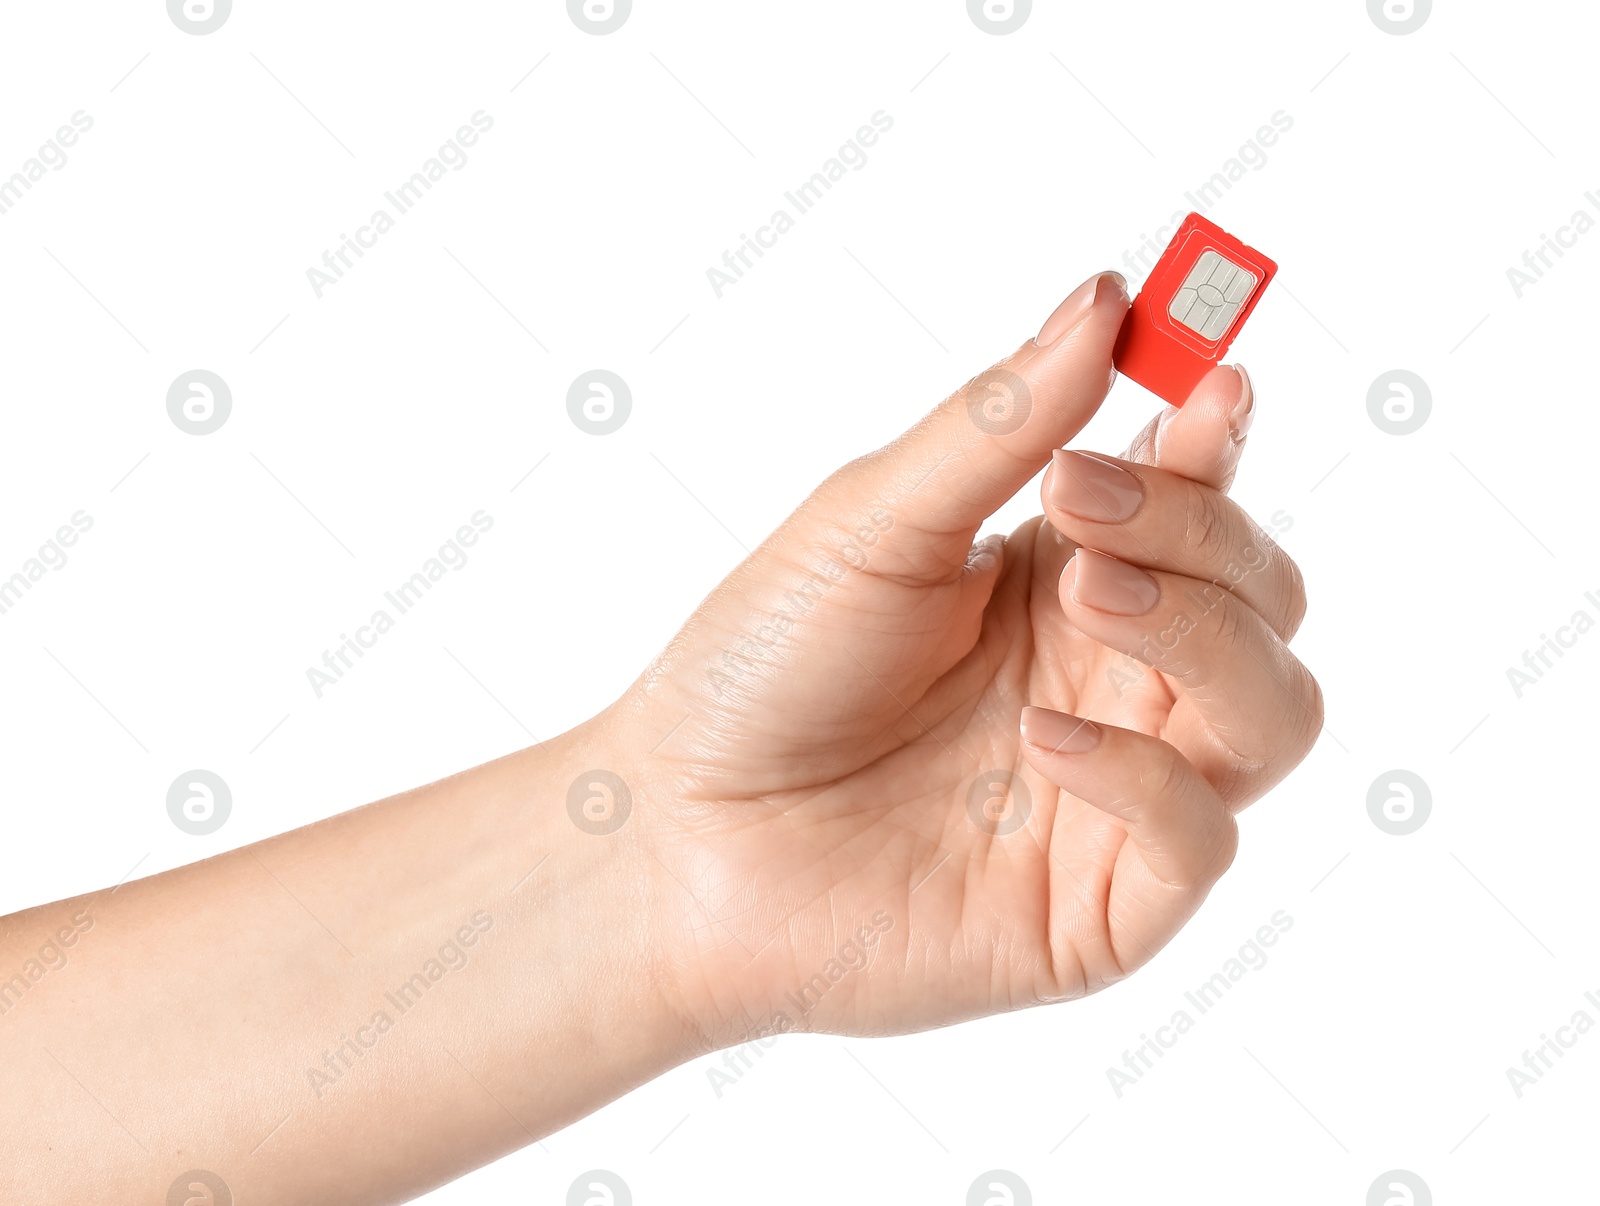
976 449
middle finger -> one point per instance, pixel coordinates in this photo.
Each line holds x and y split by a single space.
1156 519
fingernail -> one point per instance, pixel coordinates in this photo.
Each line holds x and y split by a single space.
1244 410
1107 584
1092 487
1058 732
1078 304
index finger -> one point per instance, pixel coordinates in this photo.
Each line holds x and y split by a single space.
1204 439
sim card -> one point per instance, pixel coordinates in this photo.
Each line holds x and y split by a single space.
1202 289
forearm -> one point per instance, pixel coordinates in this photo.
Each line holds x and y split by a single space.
351 1012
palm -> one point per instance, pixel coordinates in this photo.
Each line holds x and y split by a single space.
830 735
846 785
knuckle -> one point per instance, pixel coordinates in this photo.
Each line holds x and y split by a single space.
1206 527
1302 723
1226 845
1294 597
1163 775
853 478
1231 630
827 495
1312 714
1142 451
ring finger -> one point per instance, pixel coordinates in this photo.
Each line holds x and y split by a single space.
1255 697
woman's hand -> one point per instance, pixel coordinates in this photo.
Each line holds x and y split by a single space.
888 779
862 800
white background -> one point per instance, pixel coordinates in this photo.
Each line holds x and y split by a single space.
371 423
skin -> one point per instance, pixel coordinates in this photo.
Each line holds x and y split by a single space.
799 844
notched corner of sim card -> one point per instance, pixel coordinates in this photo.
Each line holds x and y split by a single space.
1191 307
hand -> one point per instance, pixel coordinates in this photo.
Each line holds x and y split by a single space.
865 799
896 779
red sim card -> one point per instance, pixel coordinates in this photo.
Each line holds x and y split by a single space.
1202 289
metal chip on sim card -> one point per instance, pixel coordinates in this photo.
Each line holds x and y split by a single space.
1202 289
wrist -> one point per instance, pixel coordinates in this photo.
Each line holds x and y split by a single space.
664 840
595 909
716 956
